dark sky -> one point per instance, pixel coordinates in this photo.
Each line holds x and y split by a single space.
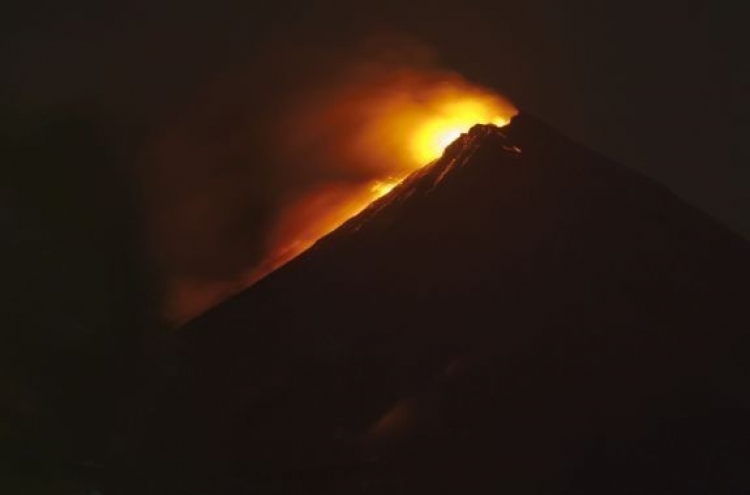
661 86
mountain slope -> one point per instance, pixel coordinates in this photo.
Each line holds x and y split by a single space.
521 315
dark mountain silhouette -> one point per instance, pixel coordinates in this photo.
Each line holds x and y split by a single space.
521 316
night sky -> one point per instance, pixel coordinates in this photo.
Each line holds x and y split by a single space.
659 86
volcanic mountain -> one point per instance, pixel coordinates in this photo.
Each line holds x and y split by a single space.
520 316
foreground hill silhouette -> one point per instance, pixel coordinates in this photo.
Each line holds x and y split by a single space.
522 316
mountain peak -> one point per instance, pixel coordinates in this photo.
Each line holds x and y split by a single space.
517 310
425 180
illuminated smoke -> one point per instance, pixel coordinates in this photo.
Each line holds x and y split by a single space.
245 182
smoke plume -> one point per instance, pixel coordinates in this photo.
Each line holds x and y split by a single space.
266 160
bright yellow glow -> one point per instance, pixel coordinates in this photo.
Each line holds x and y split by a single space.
381 188
451 118
385 129
340 144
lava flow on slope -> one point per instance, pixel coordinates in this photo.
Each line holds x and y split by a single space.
248 202
396 126
520 316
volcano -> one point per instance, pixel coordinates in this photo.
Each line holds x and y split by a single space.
520 316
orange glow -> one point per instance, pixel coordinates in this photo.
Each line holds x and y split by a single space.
391 127
380 127
452 118
381 188
246 200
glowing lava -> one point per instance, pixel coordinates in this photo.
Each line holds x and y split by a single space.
381 188
451 119
336 147
378 126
